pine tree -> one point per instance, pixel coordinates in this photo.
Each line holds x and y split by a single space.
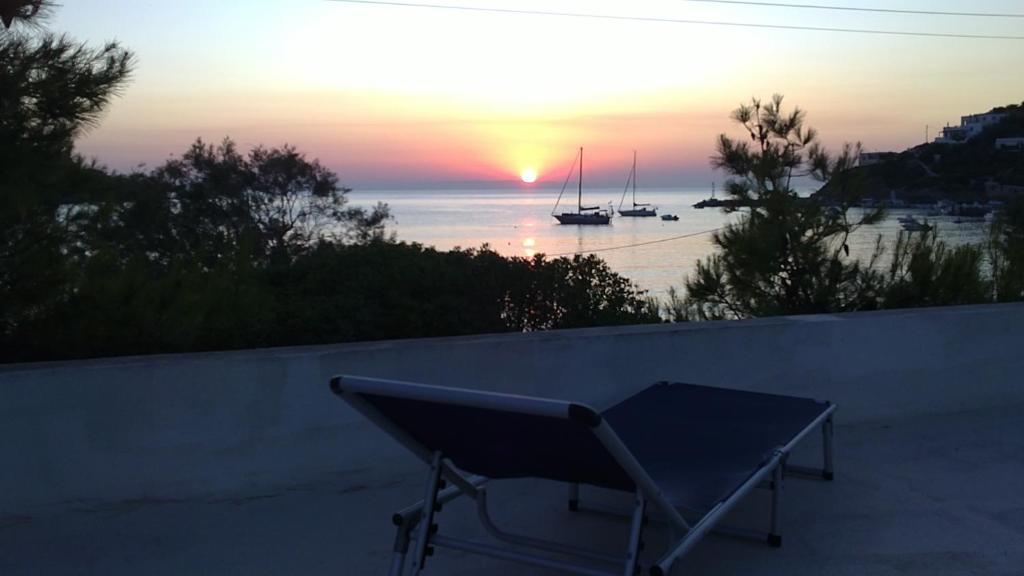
785 254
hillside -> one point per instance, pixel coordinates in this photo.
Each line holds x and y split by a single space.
958 172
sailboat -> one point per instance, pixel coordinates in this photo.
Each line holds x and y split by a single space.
583 214
640 210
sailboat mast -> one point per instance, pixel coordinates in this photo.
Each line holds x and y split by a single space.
634 178
579 195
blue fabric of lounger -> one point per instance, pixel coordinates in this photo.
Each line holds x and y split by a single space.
500 444
700 443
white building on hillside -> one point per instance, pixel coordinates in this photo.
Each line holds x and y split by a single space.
975 123
970 126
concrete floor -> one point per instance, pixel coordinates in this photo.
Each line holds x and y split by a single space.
933 496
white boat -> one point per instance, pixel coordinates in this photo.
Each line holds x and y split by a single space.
638 210
585 215
941 208
913 225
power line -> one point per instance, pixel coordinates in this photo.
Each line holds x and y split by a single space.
592 16
859 9
648 243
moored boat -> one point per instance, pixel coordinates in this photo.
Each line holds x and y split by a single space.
638 210
584 215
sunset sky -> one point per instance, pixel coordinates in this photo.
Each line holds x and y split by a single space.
395 96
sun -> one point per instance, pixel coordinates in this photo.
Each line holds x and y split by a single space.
529 175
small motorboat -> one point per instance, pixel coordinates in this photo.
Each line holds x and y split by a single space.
669 217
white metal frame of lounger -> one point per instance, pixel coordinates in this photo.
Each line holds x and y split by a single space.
420 516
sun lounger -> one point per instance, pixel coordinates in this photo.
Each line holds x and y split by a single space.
688 453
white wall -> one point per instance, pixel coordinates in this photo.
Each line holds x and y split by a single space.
166 427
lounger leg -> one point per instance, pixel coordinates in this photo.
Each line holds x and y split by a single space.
426 526
826 437
401 549
529 542
574 496
774 537
636 532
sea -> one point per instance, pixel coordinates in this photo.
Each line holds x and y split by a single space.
656 255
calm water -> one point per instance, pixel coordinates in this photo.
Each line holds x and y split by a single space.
518 222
